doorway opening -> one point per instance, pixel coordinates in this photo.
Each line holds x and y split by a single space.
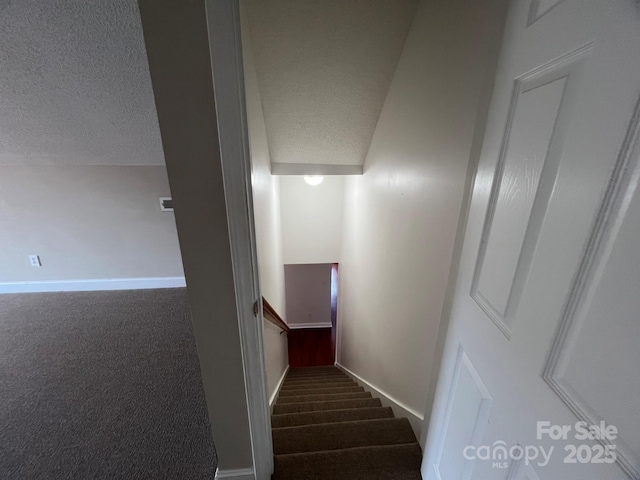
311 310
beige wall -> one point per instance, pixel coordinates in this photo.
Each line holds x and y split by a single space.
308 288
177 43
401 216
266 209
311 219
86 222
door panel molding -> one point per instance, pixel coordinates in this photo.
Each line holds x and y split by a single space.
555 265
567 68
463 364
620 189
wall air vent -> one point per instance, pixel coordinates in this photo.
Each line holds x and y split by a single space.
166 204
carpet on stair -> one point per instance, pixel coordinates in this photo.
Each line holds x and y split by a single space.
384 462
320 379
325 425
330 416
332 405
322 397
316 386
320 391
299 383
297 373
334 436
321 386
307 378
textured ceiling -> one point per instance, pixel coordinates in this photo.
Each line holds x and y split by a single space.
74 85
324 68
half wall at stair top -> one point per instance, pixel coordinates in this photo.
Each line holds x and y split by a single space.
324 68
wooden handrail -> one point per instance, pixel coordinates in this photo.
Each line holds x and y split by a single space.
271 315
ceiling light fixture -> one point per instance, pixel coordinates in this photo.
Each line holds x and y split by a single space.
313 179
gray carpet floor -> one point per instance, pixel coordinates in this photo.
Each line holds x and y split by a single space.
97 385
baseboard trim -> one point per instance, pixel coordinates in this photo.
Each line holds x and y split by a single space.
237 474
275 393
297 326
399 409
92 285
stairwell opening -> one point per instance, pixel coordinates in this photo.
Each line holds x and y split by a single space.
311 292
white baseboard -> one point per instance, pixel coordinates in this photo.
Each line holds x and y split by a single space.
274 395
237 474
92 285
294 326
399 409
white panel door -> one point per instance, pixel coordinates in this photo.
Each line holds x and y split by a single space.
544 338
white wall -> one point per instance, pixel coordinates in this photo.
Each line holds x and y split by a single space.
266 205
401 216
311 219
308 288
86 222
177 41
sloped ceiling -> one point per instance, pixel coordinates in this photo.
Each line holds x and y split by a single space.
74 85
324 68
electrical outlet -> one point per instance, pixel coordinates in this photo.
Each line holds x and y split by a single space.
34 260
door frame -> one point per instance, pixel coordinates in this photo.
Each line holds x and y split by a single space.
225 44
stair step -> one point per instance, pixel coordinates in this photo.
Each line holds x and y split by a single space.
316 376
330 416
349 389
320 368
389 462
279 409
336 436
322 397
315 385
314 373
344 379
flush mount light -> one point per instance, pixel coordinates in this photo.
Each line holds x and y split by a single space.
313 179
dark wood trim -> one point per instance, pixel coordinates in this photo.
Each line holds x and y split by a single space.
271 315
310 347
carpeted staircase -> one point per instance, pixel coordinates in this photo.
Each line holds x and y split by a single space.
327 427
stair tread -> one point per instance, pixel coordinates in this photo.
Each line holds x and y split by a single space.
322 397
317 374
313 386
288 383
388 462
330 416
314 391
336 436
324 425
317 386
319 368
308 378
312 371
297 374
325 405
